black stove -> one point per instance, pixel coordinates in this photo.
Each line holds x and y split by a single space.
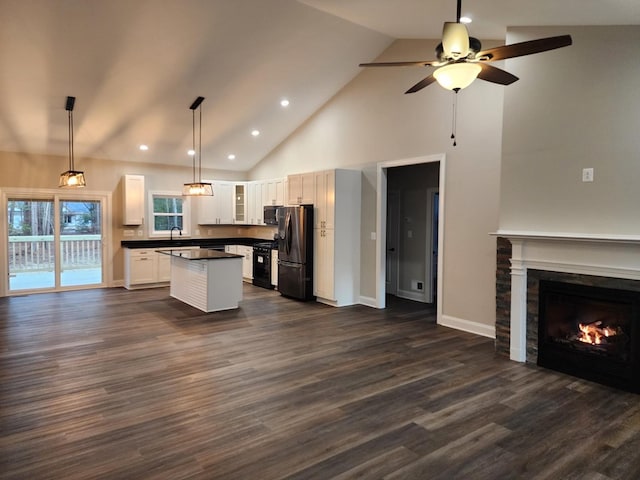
262 263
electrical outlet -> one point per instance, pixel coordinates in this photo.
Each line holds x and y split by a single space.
409 233
420 286
587 174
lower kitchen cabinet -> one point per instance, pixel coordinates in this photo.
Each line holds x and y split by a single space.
247 261
274 268
323 264
145 268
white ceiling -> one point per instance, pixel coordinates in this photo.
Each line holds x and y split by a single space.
135 66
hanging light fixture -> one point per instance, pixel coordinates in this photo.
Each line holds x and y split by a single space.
197 188
72 178
457 76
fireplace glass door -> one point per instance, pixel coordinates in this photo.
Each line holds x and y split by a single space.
590 332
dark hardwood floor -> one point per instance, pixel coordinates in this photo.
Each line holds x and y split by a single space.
113 384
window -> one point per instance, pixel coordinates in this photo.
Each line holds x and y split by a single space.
168 210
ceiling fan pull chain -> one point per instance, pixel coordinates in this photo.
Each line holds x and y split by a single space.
454 119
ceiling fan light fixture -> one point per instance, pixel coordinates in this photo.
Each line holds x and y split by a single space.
457 76
455 40
72 178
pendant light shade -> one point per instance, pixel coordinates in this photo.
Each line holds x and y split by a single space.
197 187
457 76
72 178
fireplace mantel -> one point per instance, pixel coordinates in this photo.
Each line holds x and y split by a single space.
615 256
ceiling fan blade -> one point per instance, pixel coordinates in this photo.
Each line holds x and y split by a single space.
425 82
424 63
524 48
493 74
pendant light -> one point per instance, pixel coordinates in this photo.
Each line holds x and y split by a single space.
197 188
72 178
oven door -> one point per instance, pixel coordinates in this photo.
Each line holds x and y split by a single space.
262 268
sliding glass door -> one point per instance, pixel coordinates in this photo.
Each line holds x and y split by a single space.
80 243
54 243
32 253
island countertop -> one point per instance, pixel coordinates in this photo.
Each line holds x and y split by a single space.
199 254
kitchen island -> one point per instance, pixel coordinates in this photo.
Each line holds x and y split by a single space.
208 280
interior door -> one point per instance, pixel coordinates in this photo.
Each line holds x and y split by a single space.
393 240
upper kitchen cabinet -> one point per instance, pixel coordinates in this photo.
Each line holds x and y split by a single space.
325 197
273 192
219 209
240 203
255 193
133 188
300 187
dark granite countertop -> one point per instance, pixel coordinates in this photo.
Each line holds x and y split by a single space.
199 254
191 242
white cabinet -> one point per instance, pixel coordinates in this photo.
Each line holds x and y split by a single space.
140 267
240 203
273 192
254 201
337 237
145 267
323 266
247 261
325 195
164 267
300 189
274 268
133 199
218 209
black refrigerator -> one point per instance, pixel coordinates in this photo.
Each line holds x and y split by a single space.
295 252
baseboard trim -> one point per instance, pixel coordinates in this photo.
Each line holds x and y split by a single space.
468 326
409 295
368 302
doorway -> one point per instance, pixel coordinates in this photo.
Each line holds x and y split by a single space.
432 246
54 241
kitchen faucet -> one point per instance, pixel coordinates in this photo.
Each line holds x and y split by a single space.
172 229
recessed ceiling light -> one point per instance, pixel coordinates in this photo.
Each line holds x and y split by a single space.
144 148
284 102
255 133
191 152
465 20
231 156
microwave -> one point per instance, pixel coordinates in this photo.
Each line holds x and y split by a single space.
271 214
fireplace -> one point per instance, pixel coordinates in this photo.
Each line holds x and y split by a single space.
604 276
590 332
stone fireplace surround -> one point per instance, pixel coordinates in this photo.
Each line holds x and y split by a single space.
525 258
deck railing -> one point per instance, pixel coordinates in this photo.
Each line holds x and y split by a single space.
36 253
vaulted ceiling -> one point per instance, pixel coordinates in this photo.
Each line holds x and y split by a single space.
135 66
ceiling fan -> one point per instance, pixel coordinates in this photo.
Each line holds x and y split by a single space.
460 58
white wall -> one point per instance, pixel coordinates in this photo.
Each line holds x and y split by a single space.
370 121
573 108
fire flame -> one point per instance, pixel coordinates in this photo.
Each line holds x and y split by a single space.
594 334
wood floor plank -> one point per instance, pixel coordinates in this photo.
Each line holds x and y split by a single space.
135 384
